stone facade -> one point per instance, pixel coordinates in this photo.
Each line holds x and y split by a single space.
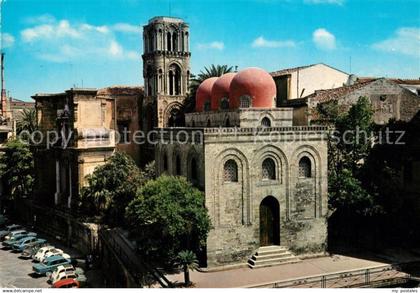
234 205
389 101
85 124
166 70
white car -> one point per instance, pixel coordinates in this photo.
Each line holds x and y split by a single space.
63 276
60 269
41 252
53 252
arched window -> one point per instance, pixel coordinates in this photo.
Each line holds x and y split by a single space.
268 169
227 123
266 122
175 42
245 102
194 175
178 165
224 104
208 123
165 162
207 106
231 171
169 41
174 79
305 168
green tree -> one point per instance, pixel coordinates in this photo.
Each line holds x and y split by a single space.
349 146
207 72
168 216
17 169
26 121
112 186
187 260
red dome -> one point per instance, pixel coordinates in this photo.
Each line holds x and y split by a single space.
256 83
221 90
204 93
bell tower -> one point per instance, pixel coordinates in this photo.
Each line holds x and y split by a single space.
166 71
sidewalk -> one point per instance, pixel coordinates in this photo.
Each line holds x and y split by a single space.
245 277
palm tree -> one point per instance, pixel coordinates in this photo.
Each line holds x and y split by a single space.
187 261
207 72
26 121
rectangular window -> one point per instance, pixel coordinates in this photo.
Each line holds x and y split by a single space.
124 132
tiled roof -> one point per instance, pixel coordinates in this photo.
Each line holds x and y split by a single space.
336 93
121 90
289 70
396 80
293 69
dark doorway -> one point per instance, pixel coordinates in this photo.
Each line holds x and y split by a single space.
269 222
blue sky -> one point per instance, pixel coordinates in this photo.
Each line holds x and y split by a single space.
52 45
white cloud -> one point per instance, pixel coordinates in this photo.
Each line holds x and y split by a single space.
261 42
43 18
126 28
61 40
334 2
213 45
323 39
7 40
405 41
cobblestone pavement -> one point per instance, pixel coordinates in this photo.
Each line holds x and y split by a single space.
16 272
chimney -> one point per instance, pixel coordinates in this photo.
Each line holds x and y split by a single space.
3 89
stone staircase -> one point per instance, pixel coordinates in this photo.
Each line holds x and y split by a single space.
268 256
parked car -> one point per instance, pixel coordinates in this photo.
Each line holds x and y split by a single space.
41 252
63 276
55 251
49 264
31 250
20 246
17 238
60 269
67 283
8 229
16 233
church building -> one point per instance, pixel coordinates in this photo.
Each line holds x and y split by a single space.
264 180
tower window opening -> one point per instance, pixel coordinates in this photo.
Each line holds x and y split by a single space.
169 41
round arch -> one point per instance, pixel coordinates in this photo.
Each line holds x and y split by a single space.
269 221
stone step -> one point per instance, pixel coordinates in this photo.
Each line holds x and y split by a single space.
272 255
271 260
272 251
257 266
271 247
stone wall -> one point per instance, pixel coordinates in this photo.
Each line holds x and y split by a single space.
388 99
279 117
234 207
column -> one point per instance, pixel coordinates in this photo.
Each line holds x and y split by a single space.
57 181
70 189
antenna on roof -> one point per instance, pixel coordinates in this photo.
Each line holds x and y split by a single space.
350 65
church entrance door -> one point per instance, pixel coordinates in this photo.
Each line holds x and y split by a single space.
269 222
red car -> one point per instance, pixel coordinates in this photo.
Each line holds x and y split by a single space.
66 283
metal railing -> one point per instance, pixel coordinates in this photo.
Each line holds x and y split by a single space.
132 262
352 278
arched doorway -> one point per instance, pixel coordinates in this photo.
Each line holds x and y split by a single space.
269 222
175 116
